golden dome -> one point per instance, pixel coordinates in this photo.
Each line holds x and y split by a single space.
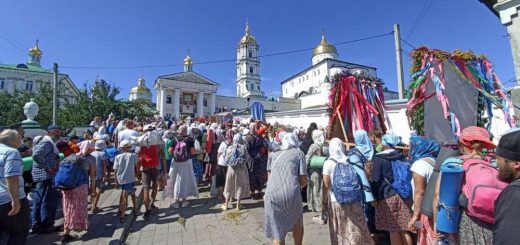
324 47
248 38
140 88
35 50
188 60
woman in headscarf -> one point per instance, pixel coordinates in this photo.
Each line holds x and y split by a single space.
361 156
237 177
422 156
169 146
472 142
347 223
257 148
276 142
214 138
287 173
182 183
307 141
222 164
198 157
75 202
392 211
314 195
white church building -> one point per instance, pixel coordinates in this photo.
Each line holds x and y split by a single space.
189 93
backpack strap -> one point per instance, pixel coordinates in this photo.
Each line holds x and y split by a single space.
429 161
515 183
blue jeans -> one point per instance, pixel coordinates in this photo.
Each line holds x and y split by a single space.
44 206
198 169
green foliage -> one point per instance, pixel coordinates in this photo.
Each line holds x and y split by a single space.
100 100
11 105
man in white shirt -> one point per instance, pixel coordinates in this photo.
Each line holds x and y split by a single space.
128 134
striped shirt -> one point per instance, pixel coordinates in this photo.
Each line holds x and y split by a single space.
10 165
283 201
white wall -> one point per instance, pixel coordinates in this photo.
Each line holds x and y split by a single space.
18 79
311 78
241 103
300 118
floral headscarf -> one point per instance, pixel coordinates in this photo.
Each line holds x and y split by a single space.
421 147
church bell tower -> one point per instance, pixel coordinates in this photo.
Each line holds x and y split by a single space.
248 67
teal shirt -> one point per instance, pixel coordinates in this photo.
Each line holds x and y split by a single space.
167 145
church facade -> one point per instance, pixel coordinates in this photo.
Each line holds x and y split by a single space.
188 93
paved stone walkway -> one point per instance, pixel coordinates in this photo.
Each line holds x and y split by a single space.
202 223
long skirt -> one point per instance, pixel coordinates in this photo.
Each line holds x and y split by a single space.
237 183
256 175
75 208
283 210
393 214
314 194
347 225
221 176
426 234
182 183
473 232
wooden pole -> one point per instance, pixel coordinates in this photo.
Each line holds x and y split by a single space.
342 124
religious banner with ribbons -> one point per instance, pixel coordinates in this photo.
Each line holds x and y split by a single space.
356 102
451 91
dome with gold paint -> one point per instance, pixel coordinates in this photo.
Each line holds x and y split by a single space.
324 47
35 50
140 92
248 38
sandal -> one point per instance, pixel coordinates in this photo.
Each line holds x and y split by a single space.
96 210
224 207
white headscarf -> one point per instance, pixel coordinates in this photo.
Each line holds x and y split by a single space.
337 150
289 141
318 137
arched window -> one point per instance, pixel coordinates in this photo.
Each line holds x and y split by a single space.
250 54
251 69
168 99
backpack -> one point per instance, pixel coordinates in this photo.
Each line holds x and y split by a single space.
346 185
70 175
235 155
180 153
111 153
402 183
481 187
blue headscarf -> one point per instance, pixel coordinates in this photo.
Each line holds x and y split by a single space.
391 140
363 144
421 147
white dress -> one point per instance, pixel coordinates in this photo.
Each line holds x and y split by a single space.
181 183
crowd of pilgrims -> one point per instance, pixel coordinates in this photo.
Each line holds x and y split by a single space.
262 162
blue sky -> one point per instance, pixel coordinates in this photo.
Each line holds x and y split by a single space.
119 33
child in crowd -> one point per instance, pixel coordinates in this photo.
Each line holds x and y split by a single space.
111 152
376 136
101 166
126 165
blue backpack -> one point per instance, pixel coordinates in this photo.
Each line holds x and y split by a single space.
402 178
70 175
346 185
111 153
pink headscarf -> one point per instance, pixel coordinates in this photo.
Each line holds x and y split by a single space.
85 146
229 137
